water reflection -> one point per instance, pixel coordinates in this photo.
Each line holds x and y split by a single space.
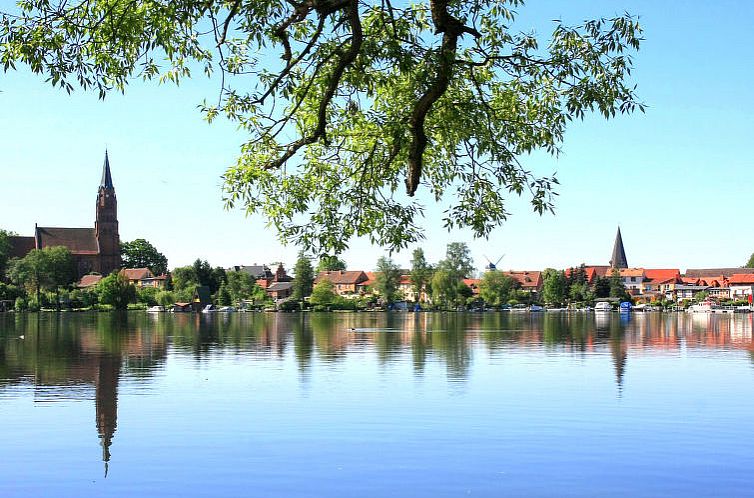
88 356
62 358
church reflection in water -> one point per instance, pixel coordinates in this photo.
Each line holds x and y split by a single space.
62 359
106 402
67 356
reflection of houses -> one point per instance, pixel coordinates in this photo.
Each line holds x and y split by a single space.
345 283
143 277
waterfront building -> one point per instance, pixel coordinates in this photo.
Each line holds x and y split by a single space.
741 285
94 250
529 281
345 283
143 277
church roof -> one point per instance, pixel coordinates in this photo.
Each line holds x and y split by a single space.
77 240
618 259
21 246
107 179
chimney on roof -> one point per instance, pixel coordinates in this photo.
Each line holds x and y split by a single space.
619 254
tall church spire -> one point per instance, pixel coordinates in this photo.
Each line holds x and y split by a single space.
106 223
619 254
107 180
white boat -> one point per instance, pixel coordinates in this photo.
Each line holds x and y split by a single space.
210 308
603 306
226 309
535 308
155 309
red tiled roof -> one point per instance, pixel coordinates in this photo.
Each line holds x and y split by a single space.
473 284
77 240
21 246
663 280
136 273
527 279
342 277
632 272
741 278
89 281
662 274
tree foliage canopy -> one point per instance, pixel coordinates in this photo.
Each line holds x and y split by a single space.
140 253
48 268
116 290
387 278
330 263
352 106
303 283
421 273
497 288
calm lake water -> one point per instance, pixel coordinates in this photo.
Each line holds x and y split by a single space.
376 404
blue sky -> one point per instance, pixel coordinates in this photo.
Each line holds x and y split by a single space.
675 179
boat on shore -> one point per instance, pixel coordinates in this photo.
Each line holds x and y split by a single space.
603 307
709 306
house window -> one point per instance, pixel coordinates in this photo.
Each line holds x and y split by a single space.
633 279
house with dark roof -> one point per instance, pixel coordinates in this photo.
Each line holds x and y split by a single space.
280 290
256 271
715 272
202 297
94 250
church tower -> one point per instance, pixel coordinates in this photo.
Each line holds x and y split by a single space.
106 223
619 254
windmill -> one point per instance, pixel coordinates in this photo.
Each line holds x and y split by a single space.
490 265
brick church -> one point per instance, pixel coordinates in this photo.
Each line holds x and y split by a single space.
95 250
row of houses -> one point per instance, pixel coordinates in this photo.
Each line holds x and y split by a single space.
652 284
643 284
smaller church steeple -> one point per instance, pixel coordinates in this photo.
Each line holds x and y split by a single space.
107 179
619 254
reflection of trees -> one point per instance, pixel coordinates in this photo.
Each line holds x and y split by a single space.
449 342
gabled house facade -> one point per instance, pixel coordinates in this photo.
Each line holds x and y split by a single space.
529 281
345 283
741 285
143 277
